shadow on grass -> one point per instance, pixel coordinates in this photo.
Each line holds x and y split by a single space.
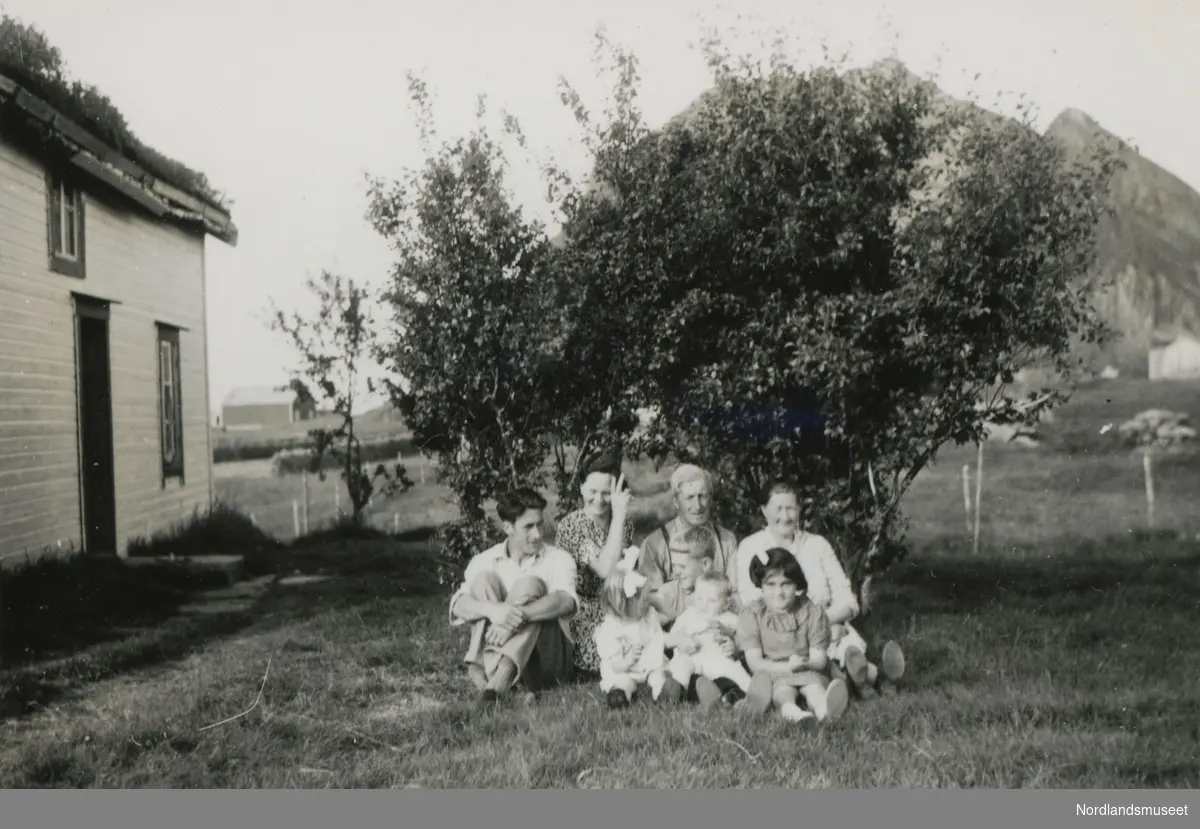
68 622
937 581
29 687
57 606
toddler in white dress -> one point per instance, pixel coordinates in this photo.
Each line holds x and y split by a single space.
630 643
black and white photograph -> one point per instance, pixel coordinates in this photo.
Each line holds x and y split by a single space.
601 395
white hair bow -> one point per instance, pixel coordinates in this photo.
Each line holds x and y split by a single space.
628 565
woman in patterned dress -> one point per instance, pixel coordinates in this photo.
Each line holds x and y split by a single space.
596 535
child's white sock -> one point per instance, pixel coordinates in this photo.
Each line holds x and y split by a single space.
794 713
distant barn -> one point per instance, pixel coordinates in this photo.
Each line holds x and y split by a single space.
263 407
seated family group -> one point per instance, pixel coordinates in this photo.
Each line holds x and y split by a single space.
690 614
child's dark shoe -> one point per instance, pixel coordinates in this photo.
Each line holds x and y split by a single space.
488 697
732 697
672 692
708 692
617 699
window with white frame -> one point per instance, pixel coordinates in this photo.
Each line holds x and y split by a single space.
170 403
65 209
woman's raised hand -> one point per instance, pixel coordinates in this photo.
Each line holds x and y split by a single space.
620 496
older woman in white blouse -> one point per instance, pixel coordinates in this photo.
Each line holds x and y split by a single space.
828 589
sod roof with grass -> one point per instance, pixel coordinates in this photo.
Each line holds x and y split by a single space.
78 123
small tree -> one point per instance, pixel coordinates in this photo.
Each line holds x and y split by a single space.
598 390
474 322
334 346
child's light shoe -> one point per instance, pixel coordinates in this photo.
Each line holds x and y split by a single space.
856 666
794 713
892 662
837 697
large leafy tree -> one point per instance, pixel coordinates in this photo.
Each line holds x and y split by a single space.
826 276
822 276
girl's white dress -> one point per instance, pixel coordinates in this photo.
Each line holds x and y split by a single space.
615 637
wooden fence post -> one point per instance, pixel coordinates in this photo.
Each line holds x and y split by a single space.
1148 468
966 481
305 514
978 497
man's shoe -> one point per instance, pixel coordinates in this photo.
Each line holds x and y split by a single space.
487 698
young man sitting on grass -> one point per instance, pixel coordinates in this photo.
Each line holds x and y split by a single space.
518 598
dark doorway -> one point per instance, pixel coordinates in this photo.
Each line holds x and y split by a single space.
96 429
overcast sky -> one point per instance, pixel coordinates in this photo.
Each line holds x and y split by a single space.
285 106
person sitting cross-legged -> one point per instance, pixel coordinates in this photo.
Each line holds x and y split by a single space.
518 598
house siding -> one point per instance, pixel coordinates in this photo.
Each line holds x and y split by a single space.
152 272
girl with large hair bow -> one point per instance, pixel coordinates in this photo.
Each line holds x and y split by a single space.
630 642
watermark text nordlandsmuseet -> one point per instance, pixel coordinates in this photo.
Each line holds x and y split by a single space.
1130 810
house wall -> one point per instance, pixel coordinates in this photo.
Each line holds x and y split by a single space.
156 273
274 414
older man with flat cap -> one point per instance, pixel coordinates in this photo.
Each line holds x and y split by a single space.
664 557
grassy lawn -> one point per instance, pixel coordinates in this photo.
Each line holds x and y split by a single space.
1066 654
1077 675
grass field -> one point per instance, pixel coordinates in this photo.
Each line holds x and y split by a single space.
1064 655
1080 673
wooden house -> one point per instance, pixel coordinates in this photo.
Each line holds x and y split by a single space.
103 339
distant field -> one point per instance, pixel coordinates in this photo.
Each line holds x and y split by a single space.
371 429
259 444
1080 484
1076 426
